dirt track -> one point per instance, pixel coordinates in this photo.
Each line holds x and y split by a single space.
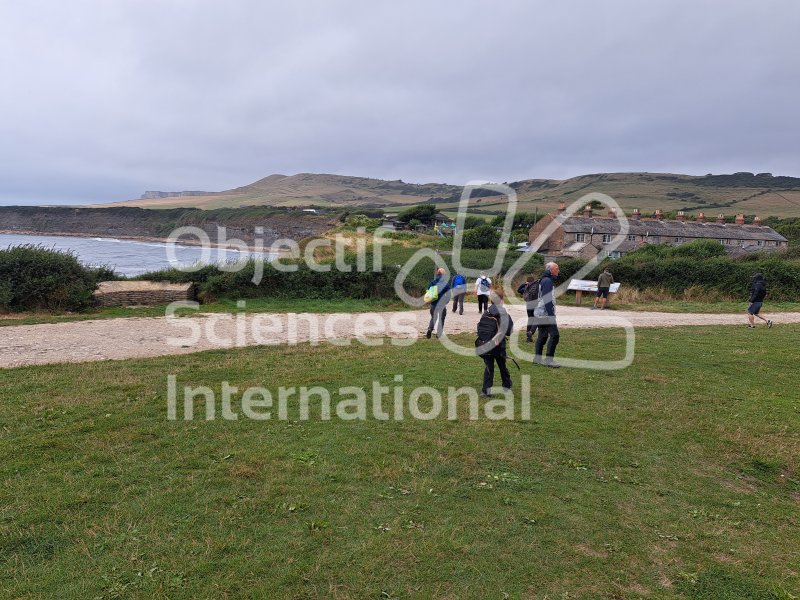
83 341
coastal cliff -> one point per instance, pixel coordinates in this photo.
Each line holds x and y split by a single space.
138 223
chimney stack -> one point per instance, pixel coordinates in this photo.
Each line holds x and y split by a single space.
637 214
659 214
612 214
739 219
681 216
701 217
561 207
757 221
587 212
721 219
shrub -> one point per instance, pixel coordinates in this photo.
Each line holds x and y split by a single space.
484 236
34 277
424 212
471 222
360 220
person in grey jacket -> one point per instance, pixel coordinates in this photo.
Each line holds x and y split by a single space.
603 286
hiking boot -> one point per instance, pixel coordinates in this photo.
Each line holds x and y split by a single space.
751 326
485 394
528 337
428 335
537 360
551 363
594 308
769 324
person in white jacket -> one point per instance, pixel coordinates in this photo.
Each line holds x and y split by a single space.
483 287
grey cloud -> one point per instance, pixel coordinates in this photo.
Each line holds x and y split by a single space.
108 99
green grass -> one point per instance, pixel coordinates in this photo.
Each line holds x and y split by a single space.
680 306
298 305
677 476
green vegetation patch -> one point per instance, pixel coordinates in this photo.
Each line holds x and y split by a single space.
657 481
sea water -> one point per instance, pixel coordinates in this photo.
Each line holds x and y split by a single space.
128 257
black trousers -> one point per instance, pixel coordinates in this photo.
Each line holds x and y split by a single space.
498 355
531 322
458 302
547 334
432 324
483 303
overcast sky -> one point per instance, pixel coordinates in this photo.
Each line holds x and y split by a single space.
105 99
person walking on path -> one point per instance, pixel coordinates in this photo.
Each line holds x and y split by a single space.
603 286
530 293
545 314
459 290
494 327
758 291
438 304
483 287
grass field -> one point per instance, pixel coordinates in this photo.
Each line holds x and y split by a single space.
677 477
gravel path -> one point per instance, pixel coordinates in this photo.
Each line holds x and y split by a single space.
122 338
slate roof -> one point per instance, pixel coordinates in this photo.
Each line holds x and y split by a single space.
685 229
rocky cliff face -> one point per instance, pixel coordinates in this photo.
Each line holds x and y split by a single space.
126 222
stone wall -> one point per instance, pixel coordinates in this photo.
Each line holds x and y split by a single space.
142 293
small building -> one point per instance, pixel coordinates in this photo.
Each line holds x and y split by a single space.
588 235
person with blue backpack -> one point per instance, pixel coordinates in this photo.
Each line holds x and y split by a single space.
438 292
459 290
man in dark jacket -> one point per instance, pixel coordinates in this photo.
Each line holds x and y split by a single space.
441 283
493 349
545 313
758 291
530 285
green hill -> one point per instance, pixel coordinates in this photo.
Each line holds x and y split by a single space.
762 194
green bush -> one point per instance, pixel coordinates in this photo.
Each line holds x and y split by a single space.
305 283
361 220
482 237
35 278
656 269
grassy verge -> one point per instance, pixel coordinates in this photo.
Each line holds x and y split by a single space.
298 305
680 306
678 476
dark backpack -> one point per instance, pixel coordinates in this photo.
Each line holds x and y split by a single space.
531 293
487 327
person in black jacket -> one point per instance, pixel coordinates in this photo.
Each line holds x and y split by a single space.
530 283
758 291
493 329
545 313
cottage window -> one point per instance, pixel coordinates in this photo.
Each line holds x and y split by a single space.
760 243
678 240
606 238
631 238
580 237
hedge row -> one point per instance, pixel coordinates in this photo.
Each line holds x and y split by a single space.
37 278
213 282
705 265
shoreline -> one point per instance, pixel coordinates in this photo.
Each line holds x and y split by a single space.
132 238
